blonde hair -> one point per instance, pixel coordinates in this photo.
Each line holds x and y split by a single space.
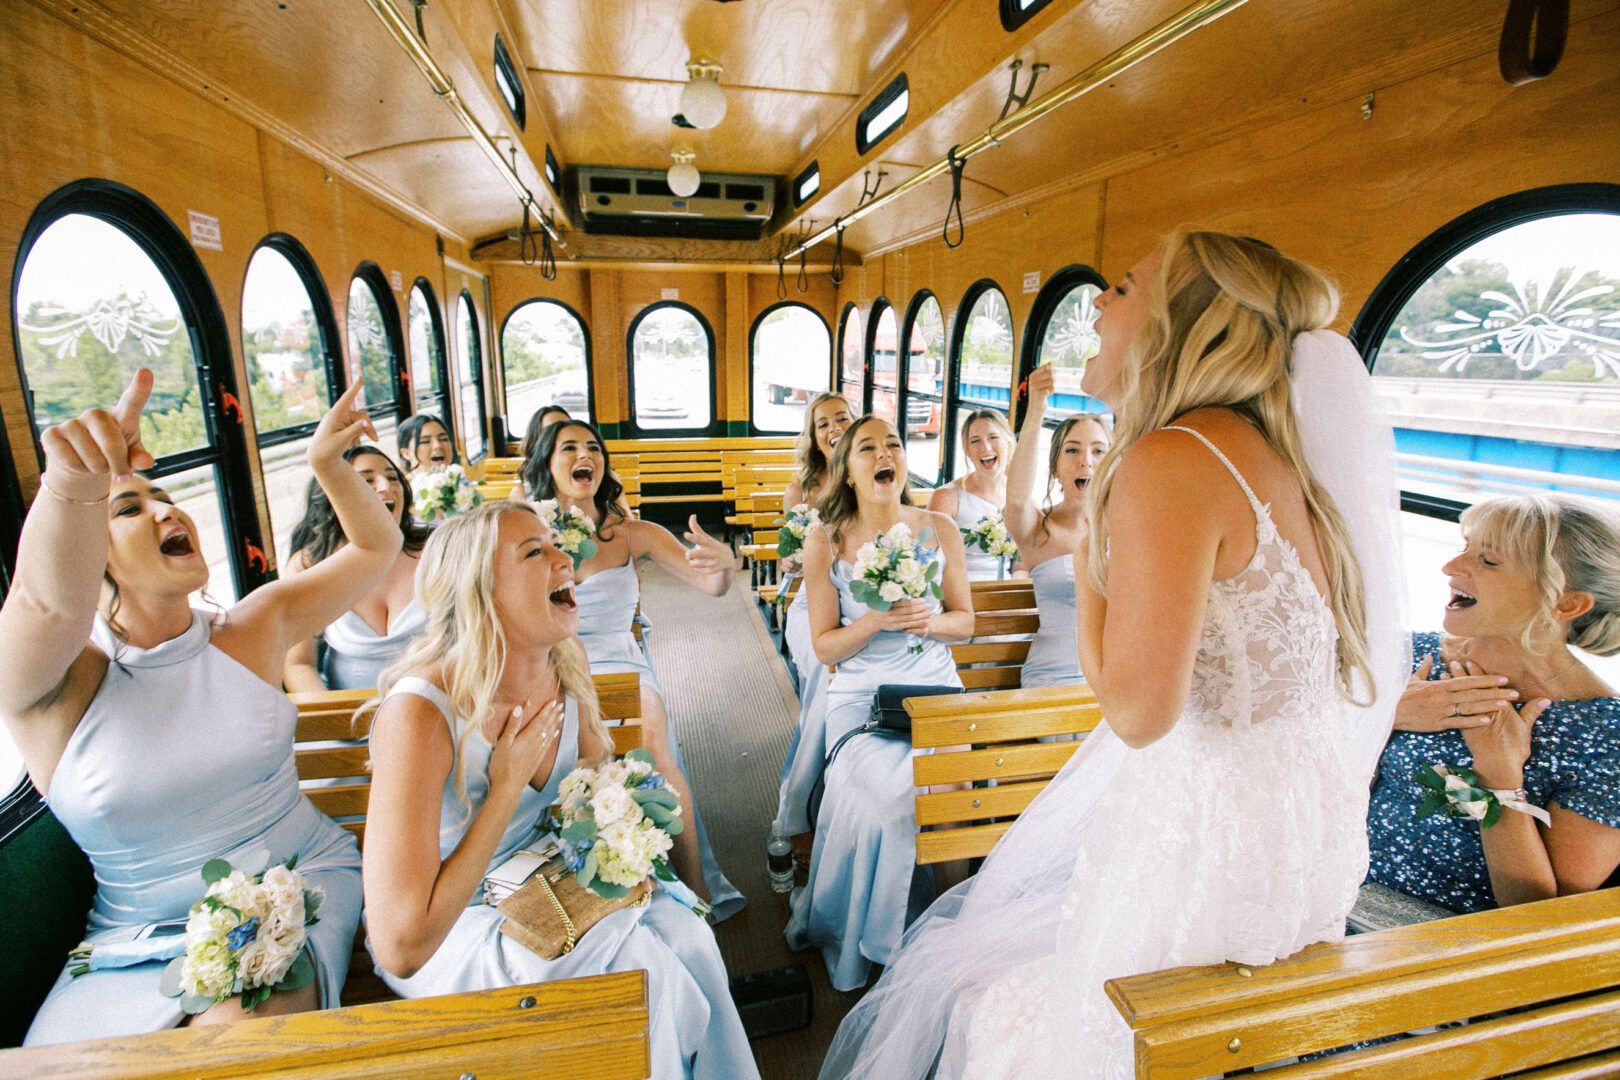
1223 313
809 463
997 421
1567 543
455 585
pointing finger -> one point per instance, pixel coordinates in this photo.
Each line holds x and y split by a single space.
128 410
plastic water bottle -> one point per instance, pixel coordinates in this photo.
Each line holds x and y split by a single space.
779 859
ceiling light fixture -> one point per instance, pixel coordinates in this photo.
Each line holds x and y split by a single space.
703 103
683 175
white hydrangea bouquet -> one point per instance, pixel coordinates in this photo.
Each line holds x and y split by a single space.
798 522
616 824
571 529
443 493
1455 791
990 536
894 567
245 936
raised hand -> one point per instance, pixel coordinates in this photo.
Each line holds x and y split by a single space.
706 555
85 454
1042 381
1460 698
341 427
526 738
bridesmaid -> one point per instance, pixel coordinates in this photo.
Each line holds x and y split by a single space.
571 465
988 445
864 885
824 423
1048 536
165 741
356 650
489 711
425 443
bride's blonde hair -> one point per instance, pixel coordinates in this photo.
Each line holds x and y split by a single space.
455 586
1223 313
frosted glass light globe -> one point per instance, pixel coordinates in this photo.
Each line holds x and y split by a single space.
684 178
703 103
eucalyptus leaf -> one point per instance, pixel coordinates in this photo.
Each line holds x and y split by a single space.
254 862
641 756
215 870
587 550
169 981
300 974
191 1004
312 904
607 890
675 827
587 871
657 797
658 815
582 831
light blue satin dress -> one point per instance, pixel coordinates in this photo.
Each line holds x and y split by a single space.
696 1032
356 654
970 510
802 766
183 756
865 886
607 603
1054 651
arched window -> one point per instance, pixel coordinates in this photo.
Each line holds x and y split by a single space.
1061 331
1495 348
546 357
374 339
852 354
289 340
430 375
472 377
791 362
981 376
671 370
924 331
883 362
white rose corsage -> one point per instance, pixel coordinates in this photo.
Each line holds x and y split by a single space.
1455 791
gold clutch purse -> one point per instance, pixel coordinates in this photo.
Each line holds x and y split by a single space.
550 912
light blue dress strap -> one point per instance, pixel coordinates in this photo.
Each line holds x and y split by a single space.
1254 503
412 684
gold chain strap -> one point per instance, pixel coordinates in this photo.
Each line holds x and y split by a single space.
568 924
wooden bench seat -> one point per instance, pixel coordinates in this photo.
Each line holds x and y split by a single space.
711 463
1539 983
594 1028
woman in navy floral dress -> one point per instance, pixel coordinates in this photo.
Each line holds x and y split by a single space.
1502 693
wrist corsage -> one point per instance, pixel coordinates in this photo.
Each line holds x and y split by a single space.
1456 792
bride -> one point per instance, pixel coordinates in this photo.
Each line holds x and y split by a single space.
1242 555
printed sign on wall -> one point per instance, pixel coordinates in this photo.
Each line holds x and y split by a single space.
1032 281
205 231
669 294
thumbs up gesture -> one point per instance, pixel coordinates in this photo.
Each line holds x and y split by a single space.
84 455
706 555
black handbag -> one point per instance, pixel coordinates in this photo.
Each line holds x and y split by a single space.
888 719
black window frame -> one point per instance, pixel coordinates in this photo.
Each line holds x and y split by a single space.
144 222
953 388
506 72
1012 16
716 426
446 410
1383 305
1053 293
812 169
885 97
590 379
475 366
753 332
382 293
907 326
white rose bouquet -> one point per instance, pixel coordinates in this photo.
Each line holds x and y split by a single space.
571 529
245 936
894 567
798 522
443 493
1455 791
616 824
990 535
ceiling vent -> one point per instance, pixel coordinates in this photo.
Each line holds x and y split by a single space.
638 202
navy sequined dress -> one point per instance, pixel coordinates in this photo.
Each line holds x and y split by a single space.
1574 761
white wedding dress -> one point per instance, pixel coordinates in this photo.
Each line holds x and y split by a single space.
1237 836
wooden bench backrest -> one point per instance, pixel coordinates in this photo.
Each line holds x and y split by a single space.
494 468
1000 608
1001 728
1557 960
592 1029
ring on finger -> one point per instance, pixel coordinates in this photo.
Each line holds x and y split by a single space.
1456 710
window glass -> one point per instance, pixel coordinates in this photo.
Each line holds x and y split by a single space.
472 377
543 355
886 112
92 308
792 362
286 366
1502 371
851 366
925 390
424 350
368 337
885 365
806 184
670 360
985 364
511 87
1069 341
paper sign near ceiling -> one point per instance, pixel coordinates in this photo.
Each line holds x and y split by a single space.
669 294
1032 281
396 281
205 231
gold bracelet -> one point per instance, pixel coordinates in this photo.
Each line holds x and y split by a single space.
59 497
